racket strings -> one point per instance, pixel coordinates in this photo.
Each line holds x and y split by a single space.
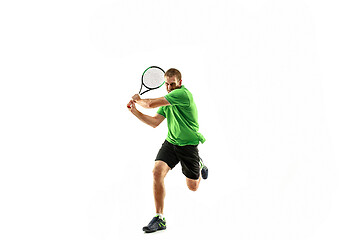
153 78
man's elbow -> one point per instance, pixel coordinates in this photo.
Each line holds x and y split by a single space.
155 124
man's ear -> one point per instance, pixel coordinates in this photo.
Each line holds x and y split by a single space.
180 82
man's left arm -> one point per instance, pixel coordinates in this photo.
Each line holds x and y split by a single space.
150 102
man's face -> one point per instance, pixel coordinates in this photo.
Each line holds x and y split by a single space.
171 83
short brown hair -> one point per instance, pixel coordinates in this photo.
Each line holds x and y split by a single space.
173 72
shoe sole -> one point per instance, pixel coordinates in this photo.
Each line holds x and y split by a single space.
151 231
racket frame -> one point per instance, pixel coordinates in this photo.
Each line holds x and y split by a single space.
142 81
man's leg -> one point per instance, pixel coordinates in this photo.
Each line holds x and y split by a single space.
159 173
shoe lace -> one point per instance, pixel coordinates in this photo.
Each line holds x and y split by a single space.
155 219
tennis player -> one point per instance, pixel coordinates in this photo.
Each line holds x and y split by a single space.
179 108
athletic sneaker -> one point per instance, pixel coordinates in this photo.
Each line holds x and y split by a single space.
155 224
204 170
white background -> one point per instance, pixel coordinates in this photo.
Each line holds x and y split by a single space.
277 88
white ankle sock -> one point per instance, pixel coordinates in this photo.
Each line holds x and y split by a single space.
160 215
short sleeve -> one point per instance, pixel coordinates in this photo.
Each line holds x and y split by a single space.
161 111
178 97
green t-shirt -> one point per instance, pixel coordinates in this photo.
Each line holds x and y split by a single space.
182 118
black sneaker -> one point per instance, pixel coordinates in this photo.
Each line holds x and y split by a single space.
204 170
155 224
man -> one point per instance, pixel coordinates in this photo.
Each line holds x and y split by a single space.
181 143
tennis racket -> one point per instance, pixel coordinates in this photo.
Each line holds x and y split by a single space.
152 78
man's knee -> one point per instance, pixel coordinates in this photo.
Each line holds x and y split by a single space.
158 174
193 185
193 188
160 170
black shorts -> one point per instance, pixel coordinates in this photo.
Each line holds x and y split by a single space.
187 155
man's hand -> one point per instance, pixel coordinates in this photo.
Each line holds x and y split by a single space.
131 106
136 97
